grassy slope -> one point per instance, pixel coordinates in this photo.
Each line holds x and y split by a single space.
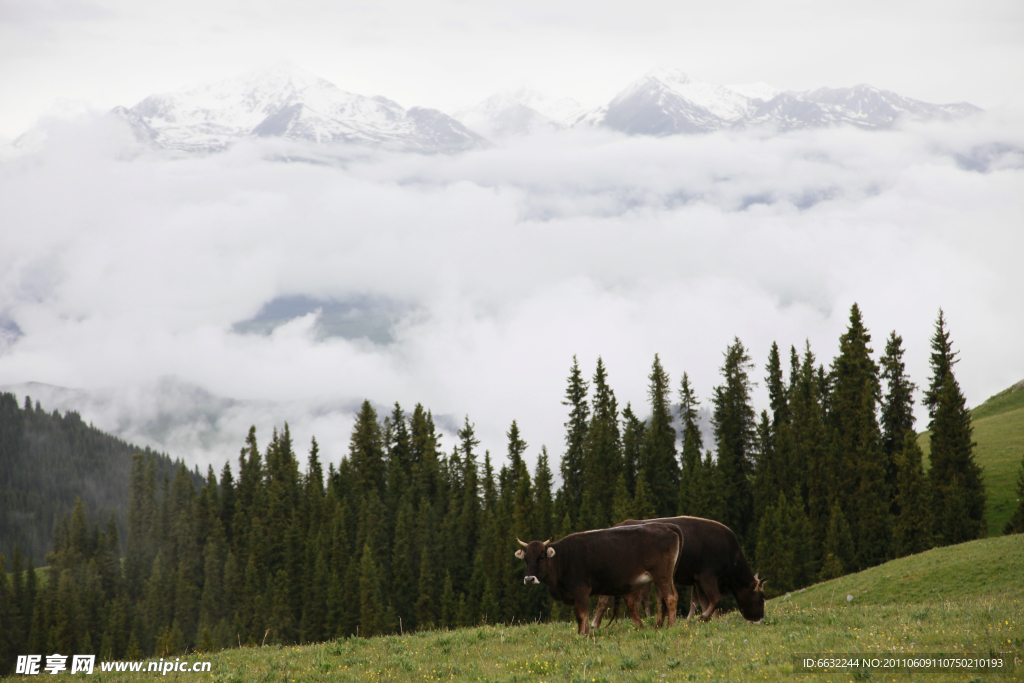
984 569
999 433
963 599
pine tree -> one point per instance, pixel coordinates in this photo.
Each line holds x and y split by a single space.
810 454
912 529
957 487
543 506
856 445
659 454
774 468
573 460
942 360
897 414
424 449
735 432
693 445
633 435
366 452
603 451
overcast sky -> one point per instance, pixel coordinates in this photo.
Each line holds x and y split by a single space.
60 55
126 273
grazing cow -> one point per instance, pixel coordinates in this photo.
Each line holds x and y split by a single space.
712 562
613 561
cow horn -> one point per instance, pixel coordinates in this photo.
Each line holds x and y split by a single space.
547 542
525 545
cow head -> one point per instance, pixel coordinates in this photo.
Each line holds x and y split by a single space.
537 555
751 599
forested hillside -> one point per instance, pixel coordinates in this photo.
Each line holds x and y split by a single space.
402 535
47 461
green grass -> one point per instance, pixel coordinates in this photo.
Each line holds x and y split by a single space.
999 433
989 568
956 600
1005 401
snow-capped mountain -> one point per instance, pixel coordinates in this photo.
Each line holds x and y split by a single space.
285 101
520 111
666 101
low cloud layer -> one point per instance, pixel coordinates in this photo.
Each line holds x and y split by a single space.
153 283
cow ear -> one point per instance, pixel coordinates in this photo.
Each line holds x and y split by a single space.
551 551
520 554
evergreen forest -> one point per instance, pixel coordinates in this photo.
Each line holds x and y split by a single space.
47 462
404 534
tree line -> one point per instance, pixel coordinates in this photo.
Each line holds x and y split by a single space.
47 461
405 535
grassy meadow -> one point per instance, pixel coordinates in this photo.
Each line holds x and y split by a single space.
999 433
954 600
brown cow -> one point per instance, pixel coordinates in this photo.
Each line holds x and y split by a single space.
613 562
711 561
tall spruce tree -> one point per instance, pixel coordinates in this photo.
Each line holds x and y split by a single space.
633 435
897 414
573 459
958 492
856 445
659 455
771 475
942 360
543 505
603 452
693 445
734 423
810 452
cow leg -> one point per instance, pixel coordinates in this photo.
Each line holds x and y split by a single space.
602 606
697 597
709 585
646 598
668 602
632 602
582 604
694 600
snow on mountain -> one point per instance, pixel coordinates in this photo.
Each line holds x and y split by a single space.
755 91
666 101
285 101
520 111
862 105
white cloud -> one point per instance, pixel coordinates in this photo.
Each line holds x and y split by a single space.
122 269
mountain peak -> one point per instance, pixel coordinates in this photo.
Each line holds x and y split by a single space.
671 76
283 100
